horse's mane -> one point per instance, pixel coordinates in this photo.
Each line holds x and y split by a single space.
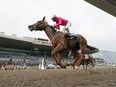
53 28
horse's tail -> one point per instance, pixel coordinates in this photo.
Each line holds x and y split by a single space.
92 48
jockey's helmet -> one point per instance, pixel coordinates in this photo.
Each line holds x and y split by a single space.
54 17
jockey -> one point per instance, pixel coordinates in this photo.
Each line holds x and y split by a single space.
61 22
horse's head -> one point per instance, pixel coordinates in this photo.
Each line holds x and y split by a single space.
40 25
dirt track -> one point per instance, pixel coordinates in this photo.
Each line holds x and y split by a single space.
103 77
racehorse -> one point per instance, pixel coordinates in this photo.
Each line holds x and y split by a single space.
87 62
60 43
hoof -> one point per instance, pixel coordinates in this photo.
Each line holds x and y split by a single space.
64 67
67 64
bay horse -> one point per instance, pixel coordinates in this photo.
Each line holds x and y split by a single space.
60 43
87 62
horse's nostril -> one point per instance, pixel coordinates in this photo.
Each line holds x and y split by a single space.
29 27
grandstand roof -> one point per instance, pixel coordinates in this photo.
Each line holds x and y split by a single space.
27 43
107 5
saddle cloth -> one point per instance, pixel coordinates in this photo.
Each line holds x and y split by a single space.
71 35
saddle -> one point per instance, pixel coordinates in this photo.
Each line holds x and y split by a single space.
70 35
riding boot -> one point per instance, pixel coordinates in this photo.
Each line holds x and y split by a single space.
67 30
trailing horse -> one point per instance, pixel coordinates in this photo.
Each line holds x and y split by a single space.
87 62
60 43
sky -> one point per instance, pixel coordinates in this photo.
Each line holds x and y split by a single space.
97 26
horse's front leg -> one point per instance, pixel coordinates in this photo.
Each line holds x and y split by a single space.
59 58
57 50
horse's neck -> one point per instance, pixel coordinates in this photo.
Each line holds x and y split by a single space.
49 32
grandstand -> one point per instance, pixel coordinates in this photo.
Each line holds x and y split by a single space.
28 48
18 49
28 45
33 50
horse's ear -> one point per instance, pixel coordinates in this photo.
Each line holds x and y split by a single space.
44 18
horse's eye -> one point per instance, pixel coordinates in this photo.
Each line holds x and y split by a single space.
39 22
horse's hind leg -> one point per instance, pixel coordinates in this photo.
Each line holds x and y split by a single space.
75 56
81 55
85 65
82 45
93 66
89 65
76 67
